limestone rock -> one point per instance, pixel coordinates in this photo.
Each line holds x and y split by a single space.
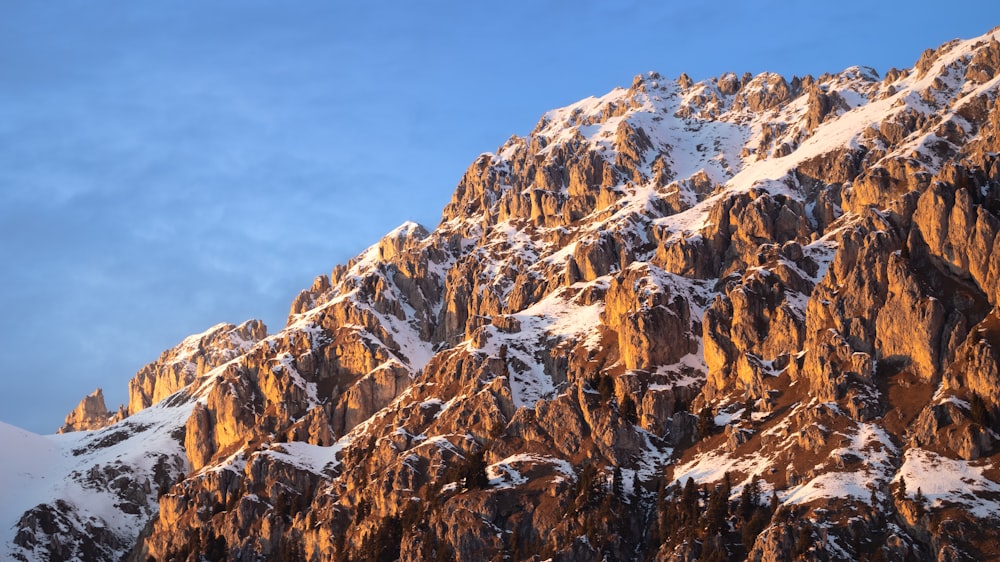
653 325
90 413
196 355
908 327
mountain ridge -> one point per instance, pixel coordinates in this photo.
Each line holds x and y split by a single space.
784 290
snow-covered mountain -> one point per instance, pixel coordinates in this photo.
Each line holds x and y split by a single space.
748 317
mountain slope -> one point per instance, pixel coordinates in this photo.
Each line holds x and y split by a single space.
87 495
741 318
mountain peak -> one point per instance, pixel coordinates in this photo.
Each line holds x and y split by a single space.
749 317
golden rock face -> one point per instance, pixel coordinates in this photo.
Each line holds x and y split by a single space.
178 367
90 413
810 263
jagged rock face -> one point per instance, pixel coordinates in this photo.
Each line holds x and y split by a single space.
90 413
176 368
807 263
196 355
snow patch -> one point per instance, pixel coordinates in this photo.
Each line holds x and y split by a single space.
944 481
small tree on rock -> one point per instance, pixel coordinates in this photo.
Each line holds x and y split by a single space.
475 472
628 411
706 422
977 410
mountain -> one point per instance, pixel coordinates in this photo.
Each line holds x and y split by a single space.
743 318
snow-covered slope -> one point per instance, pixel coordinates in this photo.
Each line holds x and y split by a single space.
86 495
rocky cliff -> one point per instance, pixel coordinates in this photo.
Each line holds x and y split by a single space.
751 317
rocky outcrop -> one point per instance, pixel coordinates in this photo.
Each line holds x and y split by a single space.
653 326
909 325
90 413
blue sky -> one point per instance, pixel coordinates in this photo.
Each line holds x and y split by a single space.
165 167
